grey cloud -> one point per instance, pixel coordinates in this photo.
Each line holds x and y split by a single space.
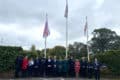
31 13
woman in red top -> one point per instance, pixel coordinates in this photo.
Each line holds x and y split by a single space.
77 67
25 66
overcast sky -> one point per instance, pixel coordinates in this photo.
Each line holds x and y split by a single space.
22 21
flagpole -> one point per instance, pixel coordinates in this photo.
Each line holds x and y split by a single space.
66 37
88 56
66 16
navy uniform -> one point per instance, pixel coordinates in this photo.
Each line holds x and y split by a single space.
90 69
96 69
37 69
43 67
49 67
64 68
55 67
83 69
18 64
71 67
60 67
30 67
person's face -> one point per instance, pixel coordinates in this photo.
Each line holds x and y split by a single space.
77 60
26 57
54 57
95 59
71 57
48 57
83 58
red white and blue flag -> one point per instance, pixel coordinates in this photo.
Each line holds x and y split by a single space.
86 27
46 32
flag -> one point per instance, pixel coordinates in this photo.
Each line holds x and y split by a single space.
46 32
86 27
66 10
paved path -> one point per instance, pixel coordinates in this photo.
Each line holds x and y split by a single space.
57 79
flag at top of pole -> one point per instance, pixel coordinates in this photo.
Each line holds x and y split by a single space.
46 32
66 10
86 27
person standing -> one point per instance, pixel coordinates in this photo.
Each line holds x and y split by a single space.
18 64
60 67
83 69
71 70
96 69
77 67
43 67
30 67
90 69
49 67
24 66
37 68
65 67
55 67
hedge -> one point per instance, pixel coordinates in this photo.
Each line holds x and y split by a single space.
112 60
8 55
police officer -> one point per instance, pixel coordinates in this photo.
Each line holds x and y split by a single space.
83 69
96 69
49 67
71 67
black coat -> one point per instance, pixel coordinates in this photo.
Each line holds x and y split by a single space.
97 66
18 62
71 64
37 63
83 65
49 64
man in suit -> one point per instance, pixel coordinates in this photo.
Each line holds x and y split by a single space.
49 67
71 67
43 67
97 69
55 67
37 68
83 69
90 69
18 64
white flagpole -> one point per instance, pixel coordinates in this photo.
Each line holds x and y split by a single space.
66 37
88 56
66 16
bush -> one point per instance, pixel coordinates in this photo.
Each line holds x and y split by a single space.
7 57
112 60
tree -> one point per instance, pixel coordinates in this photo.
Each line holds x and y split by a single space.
33 51
104 40
59 51
78 49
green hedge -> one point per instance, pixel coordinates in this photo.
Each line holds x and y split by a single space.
8 55
112 60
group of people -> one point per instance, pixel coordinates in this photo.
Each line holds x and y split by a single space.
53 67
